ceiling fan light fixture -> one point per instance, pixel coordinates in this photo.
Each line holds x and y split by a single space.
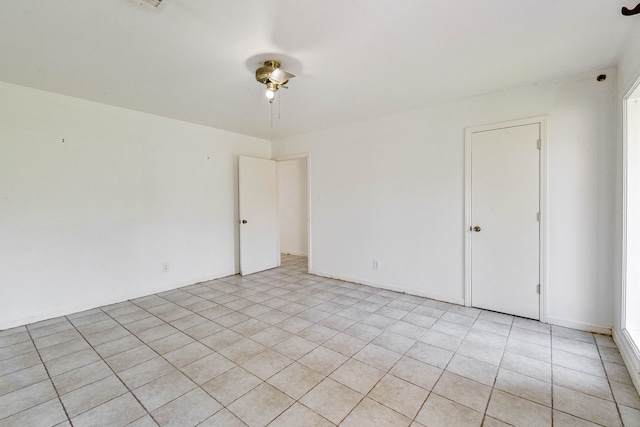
270 93
271 90
272 77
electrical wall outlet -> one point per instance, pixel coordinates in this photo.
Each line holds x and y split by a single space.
376 264
165 267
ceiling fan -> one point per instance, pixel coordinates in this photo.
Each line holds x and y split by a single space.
273 77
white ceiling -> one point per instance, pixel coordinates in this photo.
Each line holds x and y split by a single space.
194 60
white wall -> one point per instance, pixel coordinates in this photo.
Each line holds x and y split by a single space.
393 189
91 220
293 206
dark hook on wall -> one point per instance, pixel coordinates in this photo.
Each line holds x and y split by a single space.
629 12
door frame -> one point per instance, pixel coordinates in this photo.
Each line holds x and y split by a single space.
542 121
628 345
307 157
625 219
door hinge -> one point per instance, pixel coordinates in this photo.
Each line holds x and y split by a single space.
539 144
539 216
538 288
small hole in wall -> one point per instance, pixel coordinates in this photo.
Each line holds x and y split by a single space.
601 77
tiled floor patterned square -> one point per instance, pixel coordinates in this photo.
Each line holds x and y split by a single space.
285 348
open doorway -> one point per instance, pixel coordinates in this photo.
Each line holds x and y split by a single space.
631 289
293 210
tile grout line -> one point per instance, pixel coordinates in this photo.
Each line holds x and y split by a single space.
402 354
606 376
439 376
289 286
609 383
454 353
49 376
178 369
476 319
112 371
158 355
226 407
297 361
588 394
443 369
493 387
265 381
143 344
388 370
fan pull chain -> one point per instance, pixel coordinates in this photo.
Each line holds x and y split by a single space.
271 108
279 97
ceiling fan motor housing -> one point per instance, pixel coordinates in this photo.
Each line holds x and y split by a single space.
263 73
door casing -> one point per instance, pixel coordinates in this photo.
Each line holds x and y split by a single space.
542 121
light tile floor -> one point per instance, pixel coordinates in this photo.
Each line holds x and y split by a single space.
284 348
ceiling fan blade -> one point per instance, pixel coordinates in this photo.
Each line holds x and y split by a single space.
280 76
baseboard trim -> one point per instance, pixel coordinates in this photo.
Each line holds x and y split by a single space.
101 302
386 287
630 355
583 326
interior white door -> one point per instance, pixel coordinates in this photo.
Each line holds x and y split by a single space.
505 227
257 184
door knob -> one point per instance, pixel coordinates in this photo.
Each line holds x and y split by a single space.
477 228
244 221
